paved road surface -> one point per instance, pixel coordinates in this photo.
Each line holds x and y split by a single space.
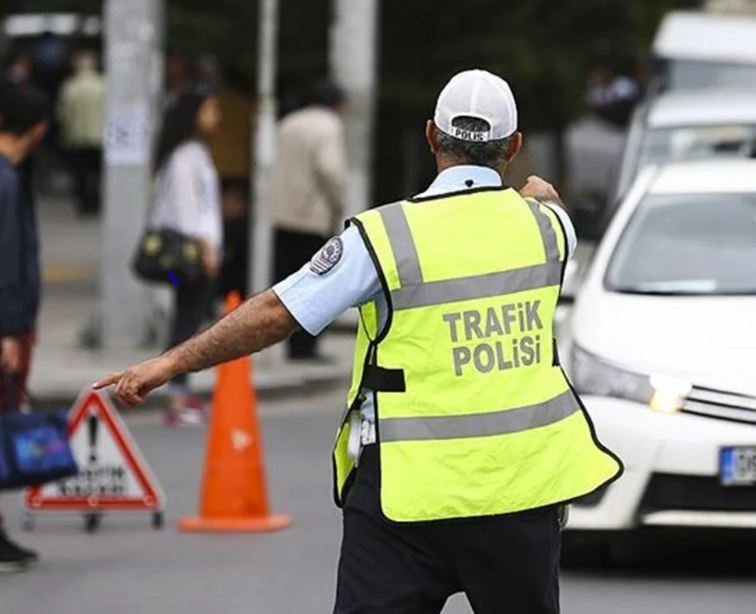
130 569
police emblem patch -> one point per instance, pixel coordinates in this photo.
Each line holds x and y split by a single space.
328 257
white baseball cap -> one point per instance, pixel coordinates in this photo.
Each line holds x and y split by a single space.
479 94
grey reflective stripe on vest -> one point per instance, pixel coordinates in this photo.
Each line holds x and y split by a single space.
416 293
476 286
479 425
402 244
548 235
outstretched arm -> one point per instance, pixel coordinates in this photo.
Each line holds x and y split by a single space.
260 322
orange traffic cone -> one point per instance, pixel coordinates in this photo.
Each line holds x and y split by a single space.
234 494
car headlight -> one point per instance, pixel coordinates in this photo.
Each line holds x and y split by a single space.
669 393
592 375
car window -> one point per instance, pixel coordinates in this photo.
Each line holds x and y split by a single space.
690 74
687 244
697 143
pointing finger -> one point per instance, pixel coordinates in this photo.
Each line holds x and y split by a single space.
108 380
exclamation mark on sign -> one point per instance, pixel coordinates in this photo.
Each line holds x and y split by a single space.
92 427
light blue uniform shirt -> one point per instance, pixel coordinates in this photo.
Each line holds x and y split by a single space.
317 300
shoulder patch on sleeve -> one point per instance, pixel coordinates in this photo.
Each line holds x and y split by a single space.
328 257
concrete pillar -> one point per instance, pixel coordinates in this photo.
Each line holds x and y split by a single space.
133 38
260 265
353 61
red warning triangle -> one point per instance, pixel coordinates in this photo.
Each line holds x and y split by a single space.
113 474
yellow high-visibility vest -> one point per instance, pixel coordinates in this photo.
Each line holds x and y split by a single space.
474 415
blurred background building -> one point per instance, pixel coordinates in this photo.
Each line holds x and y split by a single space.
612 38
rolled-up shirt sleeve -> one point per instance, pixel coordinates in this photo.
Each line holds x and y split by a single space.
316 297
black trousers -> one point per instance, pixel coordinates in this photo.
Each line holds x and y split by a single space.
191 307
505 564
292 250
86 166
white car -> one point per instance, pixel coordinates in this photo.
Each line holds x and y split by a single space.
695 50
663 351
686 125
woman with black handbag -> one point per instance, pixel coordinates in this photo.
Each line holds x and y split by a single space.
186 218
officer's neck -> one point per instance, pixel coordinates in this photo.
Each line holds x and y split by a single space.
444 163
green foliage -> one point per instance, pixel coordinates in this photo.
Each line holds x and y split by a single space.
228 30
53 6
225 28
544 48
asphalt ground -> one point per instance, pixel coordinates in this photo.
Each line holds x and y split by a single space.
129 568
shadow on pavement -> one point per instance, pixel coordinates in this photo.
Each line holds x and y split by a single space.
663 554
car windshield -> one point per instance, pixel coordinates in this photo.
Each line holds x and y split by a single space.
697 143
697 244
691 74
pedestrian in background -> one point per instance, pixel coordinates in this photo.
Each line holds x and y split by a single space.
462 440
23 122
309 179
187 200
17 67
612 96
49 55
177 79
81 113
234 269
231 148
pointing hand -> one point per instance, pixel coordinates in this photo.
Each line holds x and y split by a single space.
134 384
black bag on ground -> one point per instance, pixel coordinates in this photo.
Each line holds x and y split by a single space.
168 256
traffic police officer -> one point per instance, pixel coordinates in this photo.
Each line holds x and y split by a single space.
462 439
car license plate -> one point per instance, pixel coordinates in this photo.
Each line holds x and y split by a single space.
737 466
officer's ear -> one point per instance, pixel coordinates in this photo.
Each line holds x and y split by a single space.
431 136
515 145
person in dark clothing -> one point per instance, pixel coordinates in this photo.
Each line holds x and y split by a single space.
23 113
234 269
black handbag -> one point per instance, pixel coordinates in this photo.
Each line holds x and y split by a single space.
34 447
168 256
